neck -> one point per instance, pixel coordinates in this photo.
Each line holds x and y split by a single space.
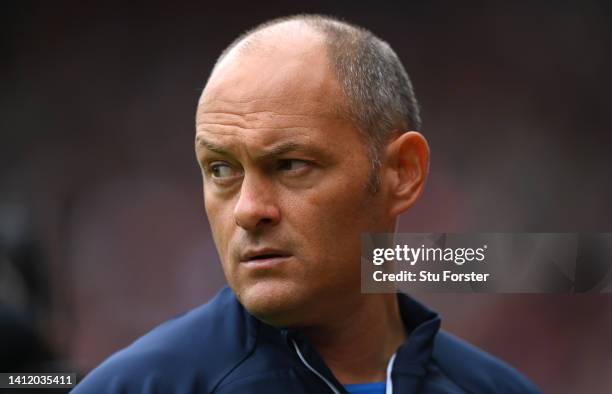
358 344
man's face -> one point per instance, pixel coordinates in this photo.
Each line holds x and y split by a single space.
285 182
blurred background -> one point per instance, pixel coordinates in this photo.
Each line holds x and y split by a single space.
102 229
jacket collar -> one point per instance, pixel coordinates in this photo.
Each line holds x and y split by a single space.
411 358
422 325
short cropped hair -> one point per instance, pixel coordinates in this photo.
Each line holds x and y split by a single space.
379 94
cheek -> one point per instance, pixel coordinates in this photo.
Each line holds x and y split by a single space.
330 219
220 219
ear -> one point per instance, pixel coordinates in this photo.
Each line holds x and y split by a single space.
406 166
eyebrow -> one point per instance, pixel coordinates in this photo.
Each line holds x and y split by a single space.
211 146
275 150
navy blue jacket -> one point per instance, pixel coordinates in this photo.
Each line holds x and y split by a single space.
220 348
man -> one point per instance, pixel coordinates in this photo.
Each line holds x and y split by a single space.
303 134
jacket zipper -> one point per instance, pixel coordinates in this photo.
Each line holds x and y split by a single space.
323 378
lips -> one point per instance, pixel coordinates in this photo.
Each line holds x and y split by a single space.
264 255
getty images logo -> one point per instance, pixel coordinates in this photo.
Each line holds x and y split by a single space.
411 255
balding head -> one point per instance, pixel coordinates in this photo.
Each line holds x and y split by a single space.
293 37
376 92
287 60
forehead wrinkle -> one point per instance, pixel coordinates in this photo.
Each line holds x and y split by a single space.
205 100
255 121
249 115
226 129
292 107
262 150
275 150
252 120
212 95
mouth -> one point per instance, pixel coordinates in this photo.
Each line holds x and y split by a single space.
264 258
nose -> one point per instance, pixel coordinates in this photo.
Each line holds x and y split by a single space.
256 207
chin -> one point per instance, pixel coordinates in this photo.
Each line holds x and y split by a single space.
276 304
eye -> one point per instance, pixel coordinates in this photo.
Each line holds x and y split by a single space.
292 164
221 170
